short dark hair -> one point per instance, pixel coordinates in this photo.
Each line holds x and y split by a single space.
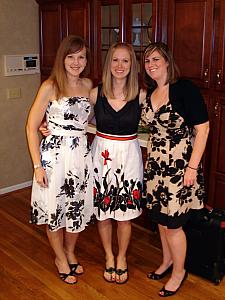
163 49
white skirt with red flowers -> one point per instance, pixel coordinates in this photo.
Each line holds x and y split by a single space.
118 177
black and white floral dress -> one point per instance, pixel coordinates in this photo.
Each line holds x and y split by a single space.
117 160
169 150
67 202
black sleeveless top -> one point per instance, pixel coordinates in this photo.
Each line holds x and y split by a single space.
122 122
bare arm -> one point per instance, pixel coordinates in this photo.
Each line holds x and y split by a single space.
142 96
202 131
93 99
35 118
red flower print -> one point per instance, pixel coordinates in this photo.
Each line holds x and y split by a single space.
105 154
129 202
94 191
136 194
107 200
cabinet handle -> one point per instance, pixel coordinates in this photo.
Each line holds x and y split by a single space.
206 72
216 109
218 75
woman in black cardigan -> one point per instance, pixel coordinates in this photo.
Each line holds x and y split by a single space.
177 117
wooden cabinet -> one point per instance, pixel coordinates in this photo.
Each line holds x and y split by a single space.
189 35
217 171
57 20
219 70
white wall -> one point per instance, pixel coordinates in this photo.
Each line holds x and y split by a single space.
19 34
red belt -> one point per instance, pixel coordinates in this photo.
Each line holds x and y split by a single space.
116 138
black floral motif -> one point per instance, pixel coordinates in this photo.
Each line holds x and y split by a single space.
123 196
75 142
70 116
162 194
56 218
53 142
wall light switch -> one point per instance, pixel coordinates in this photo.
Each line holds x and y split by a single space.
13 93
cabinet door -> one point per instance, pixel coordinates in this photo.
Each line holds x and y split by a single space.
75 18
206 159
50 34
140 31
217 174
220 69
189 32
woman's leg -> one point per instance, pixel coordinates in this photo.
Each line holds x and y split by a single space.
105 232
56 241
70 244
123 235
167 256
177 243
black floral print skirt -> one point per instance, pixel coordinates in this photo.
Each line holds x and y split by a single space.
118 177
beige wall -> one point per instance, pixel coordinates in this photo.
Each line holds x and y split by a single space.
19 34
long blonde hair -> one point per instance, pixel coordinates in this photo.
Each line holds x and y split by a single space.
132 78
70 44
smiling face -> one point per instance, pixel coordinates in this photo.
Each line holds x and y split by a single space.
120 63
156 66
75 62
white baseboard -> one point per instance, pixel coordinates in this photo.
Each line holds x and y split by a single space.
15 187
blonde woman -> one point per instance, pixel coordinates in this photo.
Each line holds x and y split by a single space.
117 158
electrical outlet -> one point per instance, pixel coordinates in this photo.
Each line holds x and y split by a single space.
13 93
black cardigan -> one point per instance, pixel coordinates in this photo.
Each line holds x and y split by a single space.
187 101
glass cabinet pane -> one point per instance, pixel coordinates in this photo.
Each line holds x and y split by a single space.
109 25
141 24
141 28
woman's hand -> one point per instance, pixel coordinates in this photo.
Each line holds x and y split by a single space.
190 176
44 129
41 177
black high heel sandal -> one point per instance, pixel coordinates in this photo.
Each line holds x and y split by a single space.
155 276
167 293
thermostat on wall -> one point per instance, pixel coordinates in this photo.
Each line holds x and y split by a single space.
21 64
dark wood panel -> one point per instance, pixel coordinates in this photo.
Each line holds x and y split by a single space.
190 29
221 136
76 19
218 199
219 73
50 34
217 167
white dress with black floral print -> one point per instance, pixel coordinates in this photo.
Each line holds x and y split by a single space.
67 202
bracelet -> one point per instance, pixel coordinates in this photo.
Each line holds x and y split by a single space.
37 166
192 168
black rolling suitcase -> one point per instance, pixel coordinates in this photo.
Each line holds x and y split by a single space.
205 234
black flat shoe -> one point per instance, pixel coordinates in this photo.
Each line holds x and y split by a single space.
155 276
167 293
121 272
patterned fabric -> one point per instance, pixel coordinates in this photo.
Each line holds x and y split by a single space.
169 150
118 166
118 176
68 200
